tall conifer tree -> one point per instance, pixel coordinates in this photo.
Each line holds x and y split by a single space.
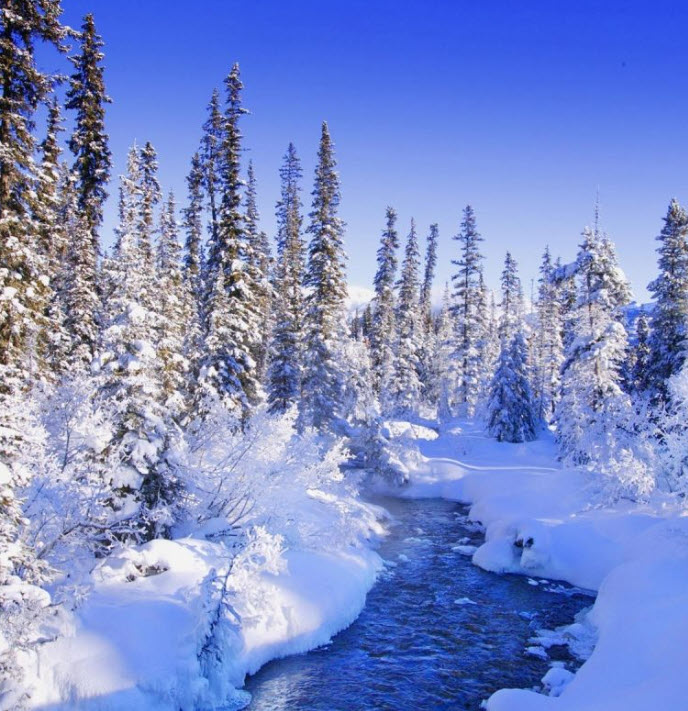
89 142
322 384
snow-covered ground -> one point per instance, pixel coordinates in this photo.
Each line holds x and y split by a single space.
177 624
543 521
136 640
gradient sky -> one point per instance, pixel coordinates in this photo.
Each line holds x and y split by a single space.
522 109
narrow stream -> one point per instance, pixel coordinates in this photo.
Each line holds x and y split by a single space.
436 633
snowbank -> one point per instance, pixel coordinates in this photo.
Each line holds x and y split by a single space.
138 640
539 520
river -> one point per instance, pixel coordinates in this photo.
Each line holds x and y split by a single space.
436 632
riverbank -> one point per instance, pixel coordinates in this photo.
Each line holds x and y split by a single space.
540 520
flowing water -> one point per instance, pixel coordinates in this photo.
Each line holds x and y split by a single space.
436 632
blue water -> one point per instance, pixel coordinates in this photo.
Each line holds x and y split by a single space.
414 647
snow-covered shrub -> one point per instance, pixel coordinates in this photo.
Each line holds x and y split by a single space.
267 475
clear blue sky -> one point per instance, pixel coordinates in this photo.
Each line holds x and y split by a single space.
520 108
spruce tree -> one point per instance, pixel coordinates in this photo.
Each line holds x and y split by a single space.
383 326
89 142
593 409
428 278
670 314
127 365
50 238
466 311
548 349
322 382
150 196
193 270
284 374
24 278
511 410
642 354
211 143
406 386
511 306
426 372
193 226
257 257
175 314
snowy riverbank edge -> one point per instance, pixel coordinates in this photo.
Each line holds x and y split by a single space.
135 642
539 521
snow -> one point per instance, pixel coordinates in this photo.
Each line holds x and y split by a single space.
135 641
546 522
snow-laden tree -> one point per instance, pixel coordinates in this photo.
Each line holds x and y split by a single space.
24 275
211 157
127 365
428 278
670 313
322 381
89 142
444 364
406 385
641 354
284 373
228 253
257 258
548 351
511 306
78 284
175 315
467 316
593 410
426 372
511 410
150 196
488 344
192 271
383 333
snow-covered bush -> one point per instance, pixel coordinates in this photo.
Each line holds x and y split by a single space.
269 477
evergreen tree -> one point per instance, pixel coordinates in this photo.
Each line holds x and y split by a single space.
512 300
406 386
670 314
24 278
548 349
428 278
77 283
642 354
383 326
466 310
150 196
257 256
284 374
193 270
593 409
511 411
89 142
488 342
229 254
193 225
47 193
322 384
127 365
175 314
211 145
426 372
444 363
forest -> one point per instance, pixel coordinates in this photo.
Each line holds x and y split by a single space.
197 398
